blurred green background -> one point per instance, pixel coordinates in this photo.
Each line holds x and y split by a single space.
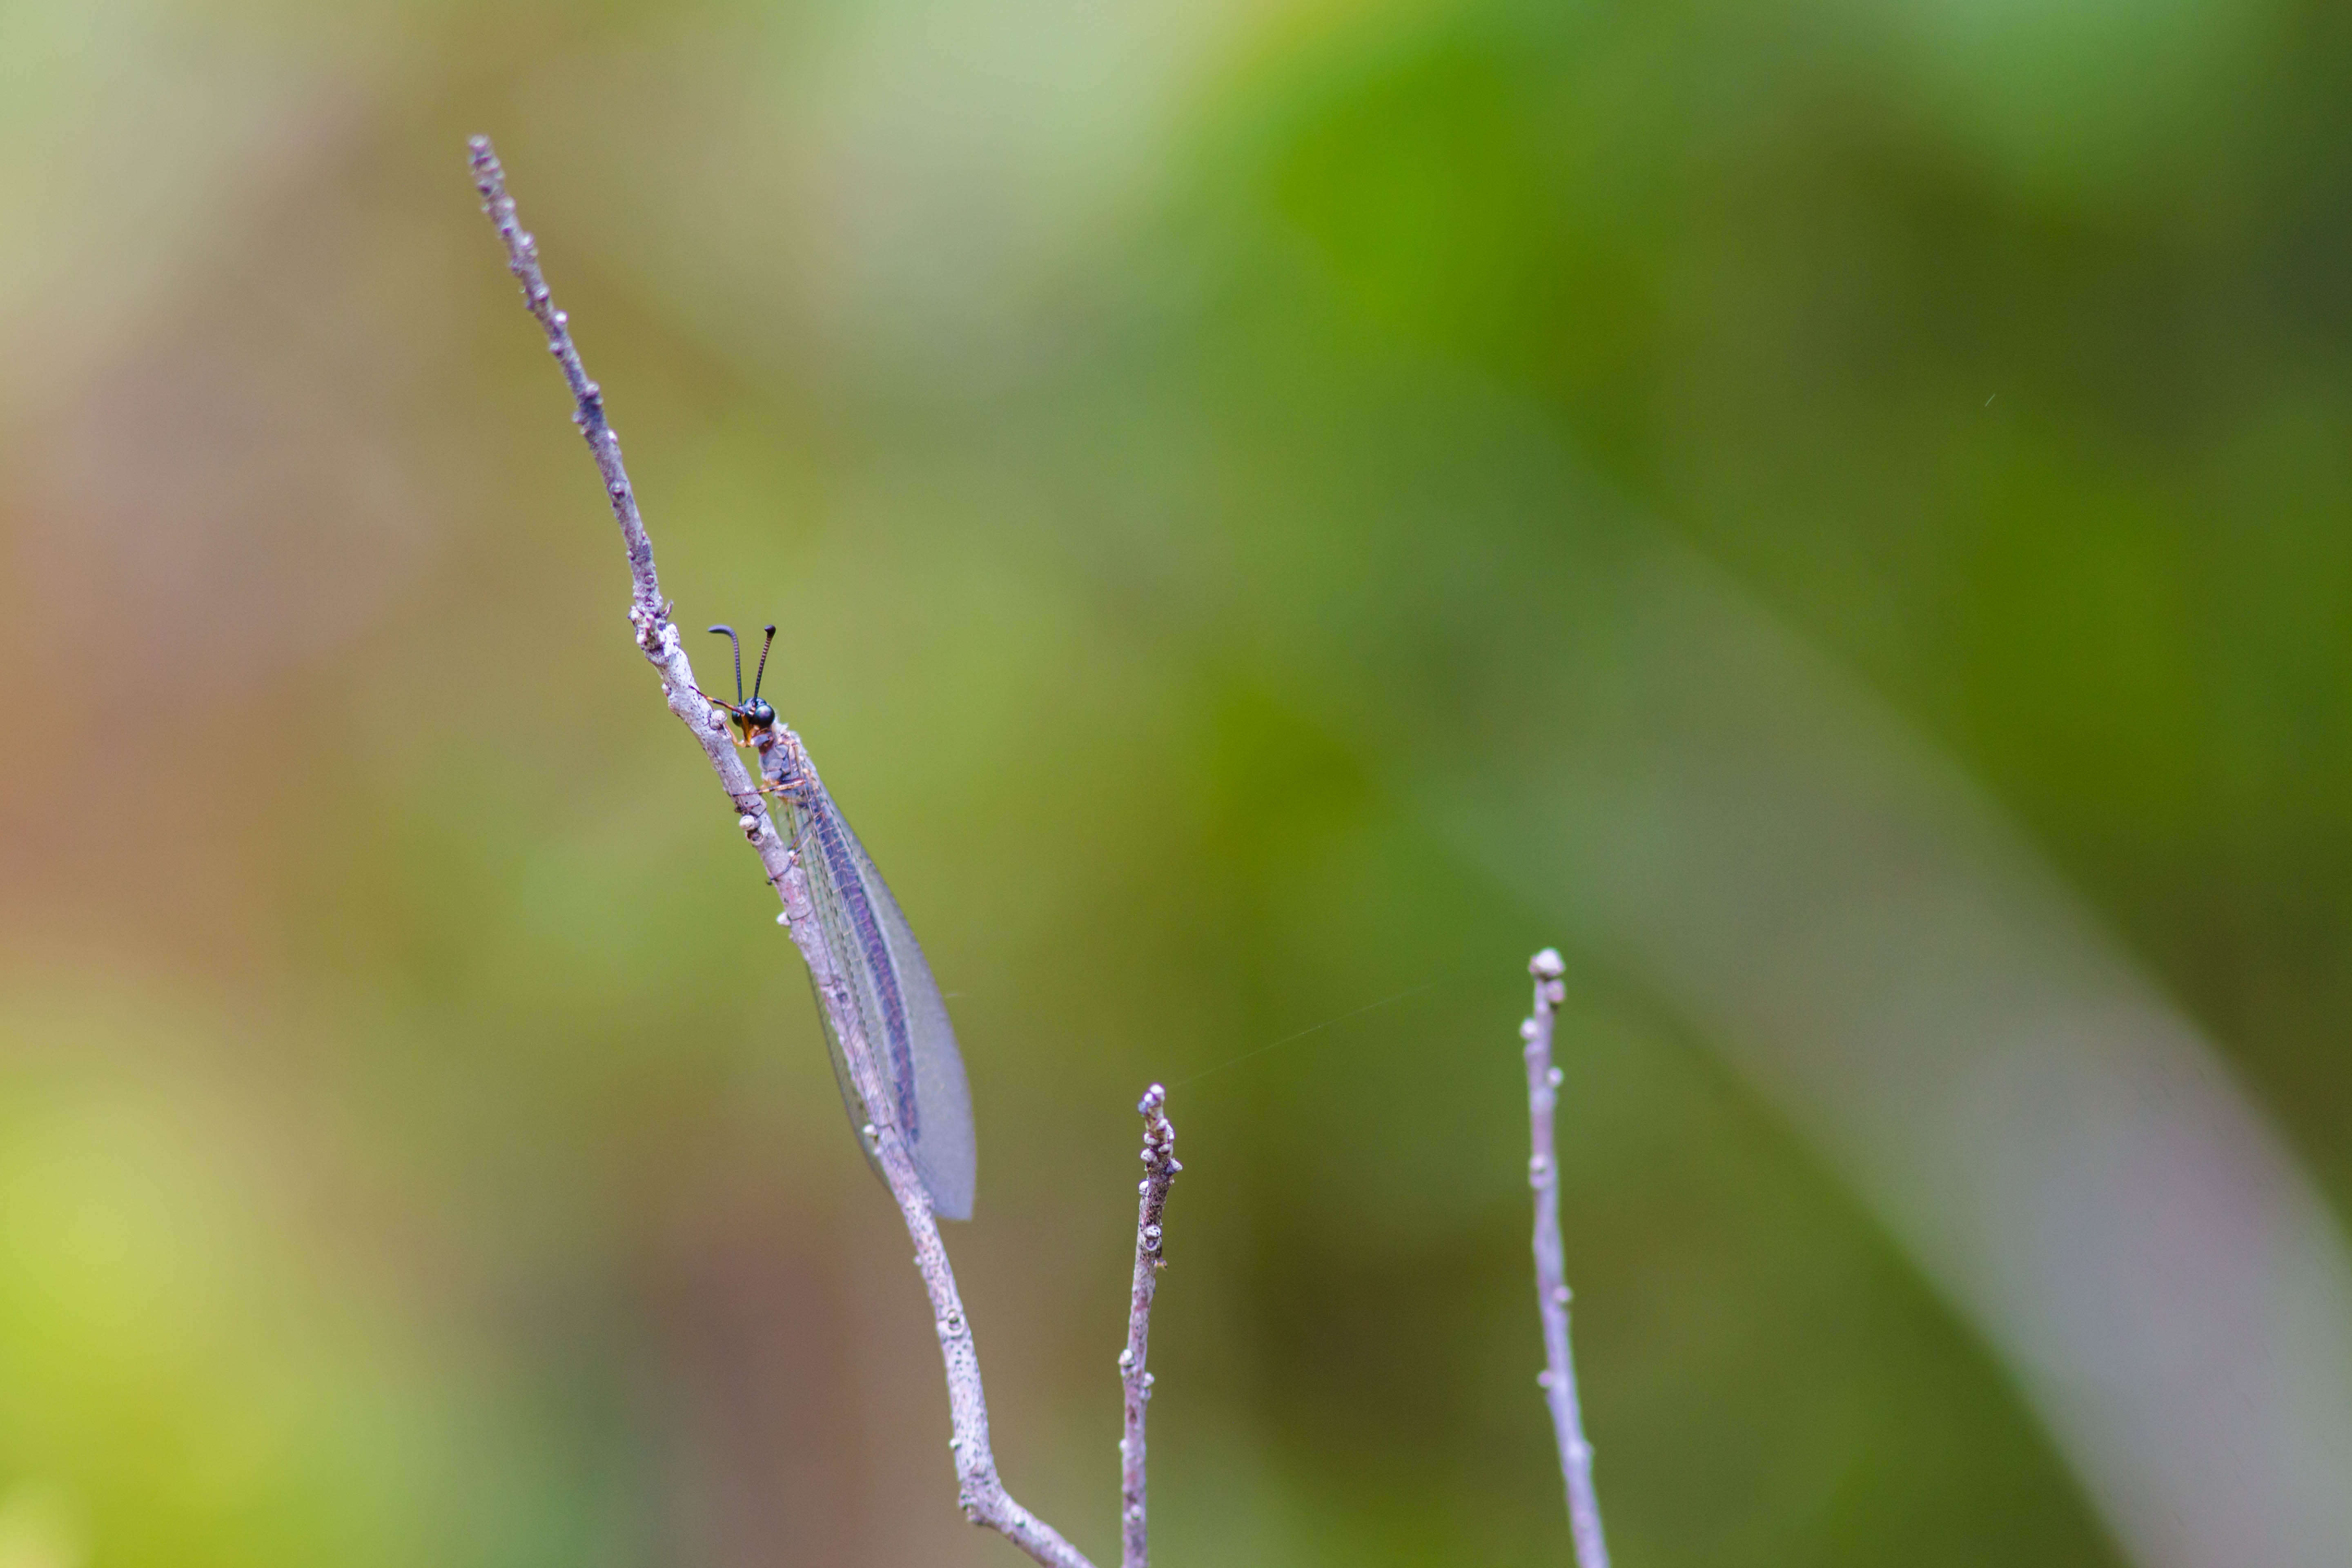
1231 481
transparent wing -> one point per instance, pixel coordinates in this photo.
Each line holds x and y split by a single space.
887 987
945 1148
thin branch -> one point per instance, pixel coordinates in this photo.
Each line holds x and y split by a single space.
982 1494
1558 1379
1160 1168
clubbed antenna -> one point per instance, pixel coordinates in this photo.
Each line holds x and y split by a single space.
728 631
763 673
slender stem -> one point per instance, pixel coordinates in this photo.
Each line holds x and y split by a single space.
982 1494
1160 1168
588 398
1559 1376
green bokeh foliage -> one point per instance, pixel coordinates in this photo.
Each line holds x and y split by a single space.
466 1184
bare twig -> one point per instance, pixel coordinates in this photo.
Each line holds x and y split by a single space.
1559 1376
1160 1168
982 1494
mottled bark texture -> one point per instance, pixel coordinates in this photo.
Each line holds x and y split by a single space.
1558 1379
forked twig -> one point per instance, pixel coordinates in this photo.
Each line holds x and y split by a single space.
1559 1377
982 1495
1160 1168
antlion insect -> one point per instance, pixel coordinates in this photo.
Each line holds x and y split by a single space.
908 1051
904 1083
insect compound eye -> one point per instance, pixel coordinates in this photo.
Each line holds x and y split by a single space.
761 714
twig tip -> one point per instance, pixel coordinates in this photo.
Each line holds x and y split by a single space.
1547 964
